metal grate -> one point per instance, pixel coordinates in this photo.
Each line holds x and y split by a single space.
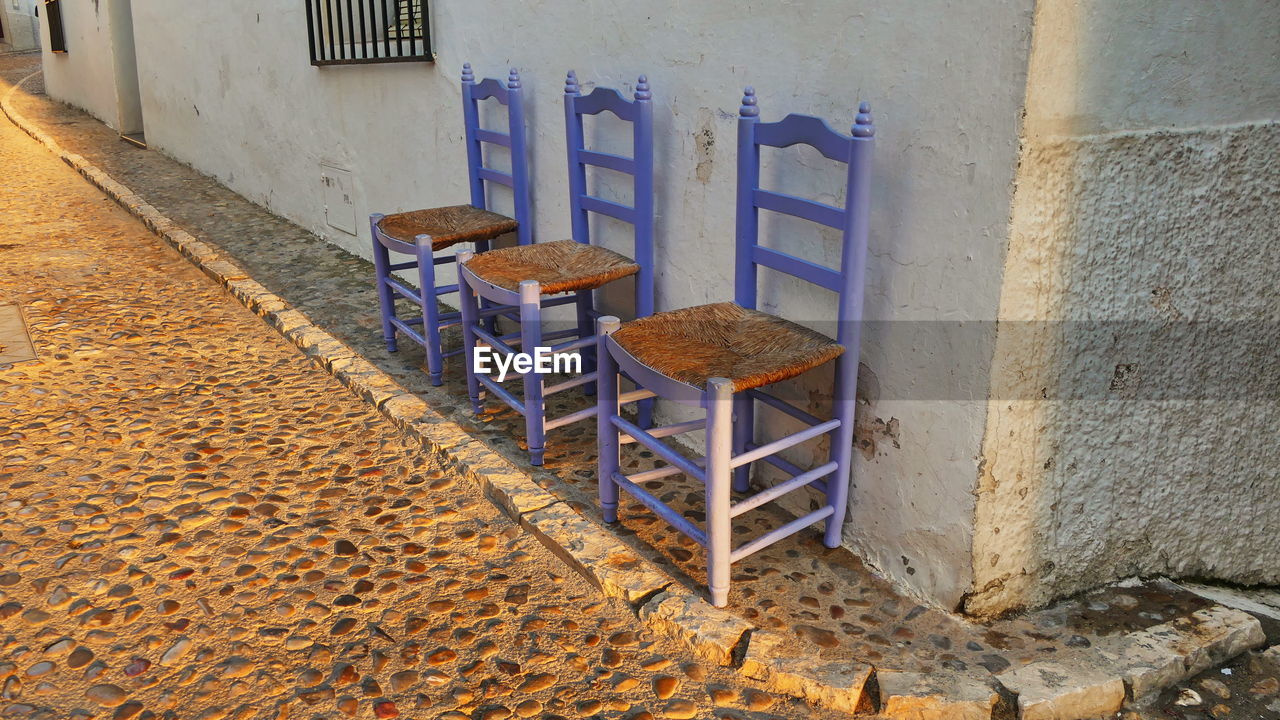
352 32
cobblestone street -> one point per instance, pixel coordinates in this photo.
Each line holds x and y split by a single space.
196 522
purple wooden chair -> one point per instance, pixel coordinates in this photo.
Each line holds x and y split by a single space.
522 278
421 233
718 357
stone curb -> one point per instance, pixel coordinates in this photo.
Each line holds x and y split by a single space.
1097 682
1146 663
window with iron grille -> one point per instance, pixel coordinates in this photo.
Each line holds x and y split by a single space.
351 32
53 18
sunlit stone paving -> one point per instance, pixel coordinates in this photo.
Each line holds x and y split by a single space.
196 522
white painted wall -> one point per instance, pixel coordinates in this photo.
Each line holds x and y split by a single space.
85 75
227 88
21 26
1146 198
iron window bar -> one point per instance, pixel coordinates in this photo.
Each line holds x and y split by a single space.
358 32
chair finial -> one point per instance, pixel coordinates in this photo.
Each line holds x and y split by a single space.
749 108
642 88
513 80
862 125
467 74
571 83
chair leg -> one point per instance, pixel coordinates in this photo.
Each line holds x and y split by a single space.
430 309
491 322
535 415
386 297
584 330
719 477
644 413
470 311
743 433
606 408
841 448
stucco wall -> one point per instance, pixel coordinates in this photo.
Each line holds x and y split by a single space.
227 87
83 76
21 26
1121 440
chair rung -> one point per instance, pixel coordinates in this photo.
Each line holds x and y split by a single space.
483 334
573 417
611 161
669 430
781 489
503 394
663 511
607 207
576 344
791 468
666 453
497 176
403 266
558 301
784 443
777 534
491 136
404 327
403 290
635 396
655 474
784 406
573 382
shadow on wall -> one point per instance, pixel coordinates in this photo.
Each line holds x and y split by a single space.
1135 394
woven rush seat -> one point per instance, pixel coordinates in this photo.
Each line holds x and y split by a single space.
748 347
447 225
559 266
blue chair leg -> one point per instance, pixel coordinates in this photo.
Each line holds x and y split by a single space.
719 477
743 433
491 322
470 312
606 408
386 297
841 447
535 414
644 413
584 330
430 309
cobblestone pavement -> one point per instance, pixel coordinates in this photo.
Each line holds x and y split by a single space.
825 597
195 522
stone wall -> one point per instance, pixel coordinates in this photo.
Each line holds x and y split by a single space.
1134 402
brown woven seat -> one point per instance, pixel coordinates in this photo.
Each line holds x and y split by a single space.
559 266
748 347
447 225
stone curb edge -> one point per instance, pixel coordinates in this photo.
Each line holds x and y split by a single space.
712 634
1148 661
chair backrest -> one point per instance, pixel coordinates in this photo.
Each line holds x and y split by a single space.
853 150
638 112
509 95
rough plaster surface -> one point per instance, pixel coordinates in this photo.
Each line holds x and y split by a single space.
21 27
227 89
1118 443
83 76
1112 65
